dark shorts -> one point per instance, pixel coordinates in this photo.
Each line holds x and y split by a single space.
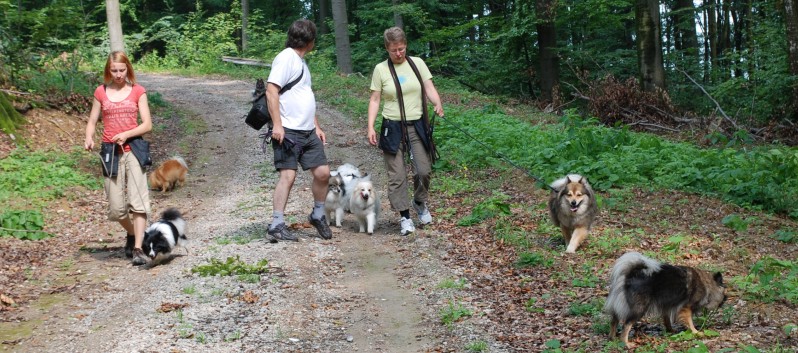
302 147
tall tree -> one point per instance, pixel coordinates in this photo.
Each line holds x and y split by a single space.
398 21
114 25
791 17
343 50
549 72
324 12
649 45
244 23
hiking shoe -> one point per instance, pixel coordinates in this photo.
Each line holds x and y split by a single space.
139 258
280 232
424 217
321 227
407 226
131 240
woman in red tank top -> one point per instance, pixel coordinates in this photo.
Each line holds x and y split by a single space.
121 102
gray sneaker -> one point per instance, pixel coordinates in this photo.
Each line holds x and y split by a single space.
321 227
407 226
139 258
280 232
424 217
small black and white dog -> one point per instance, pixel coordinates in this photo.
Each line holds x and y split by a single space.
163 236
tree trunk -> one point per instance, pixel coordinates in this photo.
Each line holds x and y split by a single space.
649 45
791 19
114 25
684 20
324 11
398 21
343 51
549 72
244 24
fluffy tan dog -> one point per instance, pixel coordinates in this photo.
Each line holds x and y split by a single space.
572 207
169 174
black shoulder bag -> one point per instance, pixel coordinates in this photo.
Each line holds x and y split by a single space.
259 113
426 137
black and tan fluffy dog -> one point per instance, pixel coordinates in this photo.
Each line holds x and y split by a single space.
641 286
572 207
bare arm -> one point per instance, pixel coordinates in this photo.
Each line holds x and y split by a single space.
374 107
432 95
319 132
273 102
88 143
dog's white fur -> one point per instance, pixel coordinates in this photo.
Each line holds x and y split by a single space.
365 204
334 203
350 176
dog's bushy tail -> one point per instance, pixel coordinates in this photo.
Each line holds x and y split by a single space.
181 161
617 304
171 215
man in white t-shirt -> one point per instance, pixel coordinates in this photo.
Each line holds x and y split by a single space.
296 136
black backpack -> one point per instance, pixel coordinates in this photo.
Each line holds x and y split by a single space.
259 113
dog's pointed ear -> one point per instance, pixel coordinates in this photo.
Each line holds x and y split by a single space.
718 277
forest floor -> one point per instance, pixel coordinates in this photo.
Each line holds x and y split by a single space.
446 288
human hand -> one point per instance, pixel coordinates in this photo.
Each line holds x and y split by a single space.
372 136
278 133
88 144
322 136
120 138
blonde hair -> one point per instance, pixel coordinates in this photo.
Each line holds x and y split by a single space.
394 35
118 57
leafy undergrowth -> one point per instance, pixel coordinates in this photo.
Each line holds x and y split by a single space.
526 294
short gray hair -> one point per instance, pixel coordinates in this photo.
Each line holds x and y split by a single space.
394 35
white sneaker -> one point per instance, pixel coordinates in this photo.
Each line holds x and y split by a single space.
407 226
423 213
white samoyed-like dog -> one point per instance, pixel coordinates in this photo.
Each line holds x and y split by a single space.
365 204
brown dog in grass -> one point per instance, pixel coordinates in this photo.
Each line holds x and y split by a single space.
572 207
169 174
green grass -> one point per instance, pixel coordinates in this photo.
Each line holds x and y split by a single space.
453 313
451 283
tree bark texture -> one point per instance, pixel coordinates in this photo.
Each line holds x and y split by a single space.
244 24
649 45
324 12
114 25
548 59
791 19
398 21
343 51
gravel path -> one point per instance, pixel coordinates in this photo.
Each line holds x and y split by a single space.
352 293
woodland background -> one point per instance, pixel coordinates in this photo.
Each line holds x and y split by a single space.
683 115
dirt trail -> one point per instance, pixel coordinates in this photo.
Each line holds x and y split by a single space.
352 293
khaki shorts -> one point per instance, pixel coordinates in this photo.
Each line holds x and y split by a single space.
127 192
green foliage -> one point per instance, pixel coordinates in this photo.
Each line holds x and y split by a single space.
40 176
25 225
770 279
477 346
454 313
231 266
493 206
592 308
758 177
553 346
10 119
450 283
735 222
531 306
533 259
786 235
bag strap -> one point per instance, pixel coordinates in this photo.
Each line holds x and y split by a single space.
294 82
399 98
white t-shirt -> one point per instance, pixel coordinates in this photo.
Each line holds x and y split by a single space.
297 105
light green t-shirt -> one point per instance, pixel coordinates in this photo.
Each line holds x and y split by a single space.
381 81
